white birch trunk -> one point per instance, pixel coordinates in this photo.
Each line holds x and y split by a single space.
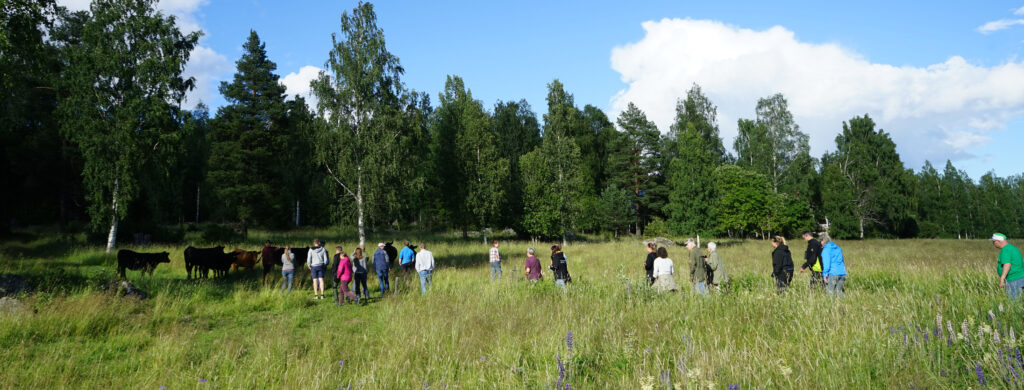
112 236
359 208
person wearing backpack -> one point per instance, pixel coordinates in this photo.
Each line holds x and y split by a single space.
812 257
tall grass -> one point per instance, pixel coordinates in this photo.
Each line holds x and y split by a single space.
471 333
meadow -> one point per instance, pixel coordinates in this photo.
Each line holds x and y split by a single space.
918 314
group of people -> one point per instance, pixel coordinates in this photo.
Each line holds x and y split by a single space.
822 257
707 271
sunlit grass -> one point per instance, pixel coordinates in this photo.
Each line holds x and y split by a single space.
471 333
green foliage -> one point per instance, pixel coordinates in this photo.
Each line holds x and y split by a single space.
864 186
656 228
554 184
698 152
744 201
121 116
774 146
615 210
518 132
634 161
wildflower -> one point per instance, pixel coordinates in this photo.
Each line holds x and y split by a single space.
664 377
926 337
991 316
483 358
693 373
918 328
942 373
949 341
711 385
734 387
938 321
647 383
561 371
891 330
163 387
341 363
648 351
1020 359
949 327
966 330
996 338
568 340
201 380
981 375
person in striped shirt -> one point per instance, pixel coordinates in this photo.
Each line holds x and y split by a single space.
495 260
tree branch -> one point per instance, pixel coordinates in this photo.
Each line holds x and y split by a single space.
337 180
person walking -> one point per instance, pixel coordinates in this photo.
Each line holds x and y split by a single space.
834 268
813 260
533 273
698 274
495 260
344 278
652 254
425 267
287 268
381 264
782 263
407 258
335 260
714 261
1011 266
317 261
560 266
360 271
663 271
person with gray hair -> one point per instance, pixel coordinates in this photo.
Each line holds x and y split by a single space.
714 261
533 271
1011 266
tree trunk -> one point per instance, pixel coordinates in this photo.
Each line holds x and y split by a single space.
565 241
861 228
112 236
298 212
483 232
359 209
197 204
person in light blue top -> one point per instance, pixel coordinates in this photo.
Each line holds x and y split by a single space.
407 258
833 268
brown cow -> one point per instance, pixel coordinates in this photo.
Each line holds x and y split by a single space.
244 259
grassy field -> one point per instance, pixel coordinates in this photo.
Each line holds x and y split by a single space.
470 333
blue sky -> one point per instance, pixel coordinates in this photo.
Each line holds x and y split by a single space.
928 72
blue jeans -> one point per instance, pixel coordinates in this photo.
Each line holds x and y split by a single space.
1013 288
560 283
835 284
382 277
426 277
701 288
286 279
496 270
360 279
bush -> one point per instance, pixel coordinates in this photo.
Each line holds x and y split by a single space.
656 228
214 233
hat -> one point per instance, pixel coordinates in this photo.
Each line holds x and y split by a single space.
380 245
998 237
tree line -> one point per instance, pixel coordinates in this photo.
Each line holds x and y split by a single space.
95 138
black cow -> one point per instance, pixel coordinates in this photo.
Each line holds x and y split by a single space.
205 259
135 261
392 254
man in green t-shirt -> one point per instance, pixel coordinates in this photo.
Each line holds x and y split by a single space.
1011 266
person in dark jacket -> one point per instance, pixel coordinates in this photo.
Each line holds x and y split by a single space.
560 266
812 260
382 264
782 263
652 254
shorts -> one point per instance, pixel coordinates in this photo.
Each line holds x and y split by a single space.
318 271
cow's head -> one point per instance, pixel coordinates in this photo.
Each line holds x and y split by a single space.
164 257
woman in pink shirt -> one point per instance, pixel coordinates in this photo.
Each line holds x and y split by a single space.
345 276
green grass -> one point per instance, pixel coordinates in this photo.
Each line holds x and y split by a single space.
470 333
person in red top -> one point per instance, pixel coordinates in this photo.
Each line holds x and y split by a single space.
345 276
532 266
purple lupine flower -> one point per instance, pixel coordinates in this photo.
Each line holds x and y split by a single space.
664 377
918 328
926 337
648 351
1020 359
1013 371
942 373
568 340
938 321
981 375
892 330
991 316
201 380
483 358
734 387
937 331
949 341
349 387
341 363
163 387
561 372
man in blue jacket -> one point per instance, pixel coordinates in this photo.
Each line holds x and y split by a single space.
407 258
381 264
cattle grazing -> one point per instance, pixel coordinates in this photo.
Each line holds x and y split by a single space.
244 259
135 261
392 254
204 259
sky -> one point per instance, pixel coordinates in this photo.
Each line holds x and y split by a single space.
945 79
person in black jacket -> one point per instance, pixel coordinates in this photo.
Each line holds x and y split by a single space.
560 266
782 263
652 253
812 257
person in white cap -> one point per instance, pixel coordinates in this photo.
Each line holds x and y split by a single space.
381 263
1011 266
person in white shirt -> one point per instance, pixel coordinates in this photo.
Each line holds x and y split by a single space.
663 272
495 260
425 267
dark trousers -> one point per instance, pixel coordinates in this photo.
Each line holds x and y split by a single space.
782 280
360 280
817 283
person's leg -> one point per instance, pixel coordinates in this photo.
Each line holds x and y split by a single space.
840 283
498 264
430 279
560 283
291 280
493 271
284 279
830 287
366 289
423 282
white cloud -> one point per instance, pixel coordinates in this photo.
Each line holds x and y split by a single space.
997 25
934 112
297 83
183 10
1019 11
209 68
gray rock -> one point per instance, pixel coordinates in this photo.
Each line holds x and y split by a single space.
125 288
660 241
13 285
10 305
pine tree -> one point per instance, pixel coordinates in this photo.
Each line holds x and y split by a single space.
634 161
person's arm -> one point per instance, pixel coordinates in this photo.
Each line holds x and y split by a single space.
1002 278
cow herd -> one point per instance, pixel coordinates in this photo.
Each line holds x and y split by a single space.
203 260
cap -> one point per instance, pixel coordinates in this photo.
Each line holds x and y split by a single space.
998 237
380 245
